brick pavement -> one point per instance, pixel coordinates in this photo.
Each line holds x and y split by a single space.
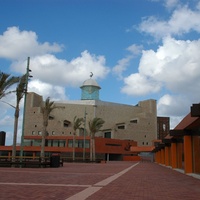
113 180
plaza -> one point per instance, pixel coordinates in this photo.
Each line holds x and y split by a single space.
91 181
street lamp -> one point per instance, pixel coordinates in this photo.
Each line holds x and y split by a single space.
25 94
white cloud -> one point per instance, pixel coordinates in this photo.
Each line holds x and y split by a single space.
47 90
139 85
175 106
182 21
49 69
122 66
16 44
170 105
174 67
123 63
135 49
171 3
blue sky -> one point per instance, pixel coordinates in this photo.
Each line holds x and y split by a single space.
136 49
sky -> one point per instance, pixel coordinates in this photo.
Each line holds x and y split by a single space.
136 49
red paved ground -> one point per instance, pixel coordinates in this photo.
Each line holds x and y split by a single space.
146 181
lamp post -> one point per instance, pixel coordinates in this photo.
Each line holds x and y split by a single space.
84 135
25 94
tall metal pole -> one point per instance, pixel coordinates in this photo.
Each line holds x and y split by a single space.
84 135
24 112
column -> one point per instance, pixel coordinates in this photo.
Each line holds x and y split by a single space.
166 155
188 154
173 155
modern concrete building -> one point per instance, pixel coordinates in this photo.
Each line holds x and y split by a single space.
125 122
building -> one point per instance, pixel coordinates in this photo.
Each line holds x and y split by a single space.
125 126
181 148
125 122
162 127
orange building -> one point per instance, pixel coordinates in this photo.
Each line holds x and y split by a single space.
106 148
181 148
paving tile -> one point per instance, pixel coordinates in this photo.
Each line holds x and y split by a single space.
144 181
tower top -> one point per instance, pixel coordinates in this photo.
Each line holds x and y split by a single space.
90 89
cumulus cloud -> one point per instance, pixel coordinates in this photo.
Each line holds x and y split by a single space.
49 73
47 90
173 68
174 64
123 63
122 66
139 85
182 21
16 44
171 3
51 70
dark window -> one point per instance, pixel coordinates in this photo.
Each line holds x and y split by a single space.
66 123
51 117
121 126
107 134
134 121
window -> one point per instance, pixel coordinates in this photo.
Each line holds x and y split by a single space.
39 132
121 126
107 134
61 143
66 123
51 117
33 132
70 143
134 121
53 133
55 143
164 127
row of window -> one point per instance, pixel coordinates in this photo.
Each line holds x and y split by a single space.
58 143
40 133
123 126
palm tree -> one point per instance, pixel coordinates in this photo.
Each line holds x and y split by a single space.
20 91
94 126
76 125
46 109
6 81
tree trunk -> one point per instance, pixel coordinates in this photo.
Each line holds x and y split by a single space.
42 154
94 152
15 133
74 143
91 148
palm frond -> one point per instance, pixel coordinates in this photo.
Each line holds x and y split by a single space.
6 81
77 123
95 125
20 91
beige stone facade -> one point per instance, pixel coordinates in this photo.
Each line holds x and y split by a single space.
122 121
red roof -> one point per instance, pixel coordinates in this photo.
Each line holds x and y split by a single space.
188 122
